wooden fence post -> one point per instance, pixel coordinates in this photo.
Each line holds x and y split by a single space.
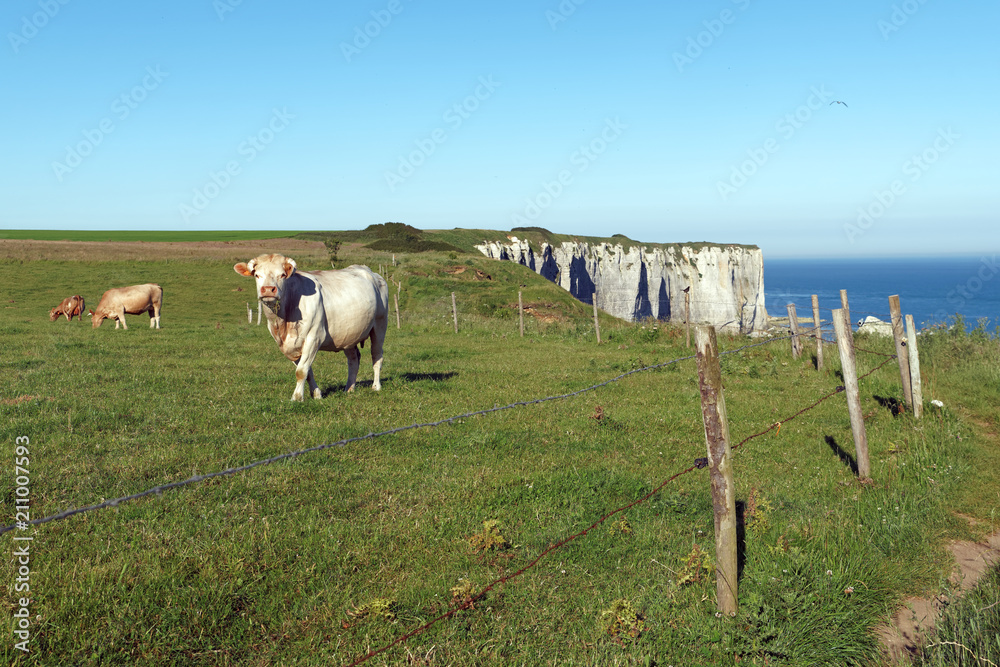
395 297
687 315
914 356
817 332
845 344
793 322
720 467
454 311
260 306
901 356
520 311
597 325
847 310
249 314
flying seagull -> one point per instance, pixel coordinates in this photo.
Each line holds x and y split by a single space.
839 102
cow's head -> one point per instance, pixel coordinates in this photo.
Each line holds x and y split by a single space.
270 272
54 314
95 319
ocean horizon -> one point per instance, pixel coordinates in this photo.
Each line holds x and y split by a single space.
934 290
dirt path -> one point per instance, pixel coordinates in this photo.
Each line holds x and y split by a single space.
915 620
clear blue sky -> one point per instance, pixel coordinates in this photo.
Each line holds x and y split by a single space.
663 121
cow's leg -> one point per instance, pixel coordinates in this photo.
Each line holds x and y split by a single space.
377 338
313 387
121 317
303 370
156 311
353 362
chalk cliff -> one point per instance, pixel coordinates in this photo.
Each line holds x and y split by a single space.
635 283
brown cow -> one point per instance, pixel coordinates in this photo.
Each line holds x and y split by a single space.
133 300
71 306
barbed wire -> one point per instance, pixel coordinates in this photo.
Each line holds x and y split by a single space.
158 490
470 601
806 333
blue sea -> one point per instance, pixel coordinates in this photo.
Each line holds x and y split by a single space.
932 289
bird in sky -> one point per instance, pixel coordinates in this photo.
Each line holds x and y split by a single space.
839 102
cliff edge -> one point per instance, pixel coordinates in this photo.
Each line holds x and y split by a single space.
726 281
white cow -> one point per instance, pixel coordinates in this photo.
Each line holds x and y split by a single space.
309 311
133 300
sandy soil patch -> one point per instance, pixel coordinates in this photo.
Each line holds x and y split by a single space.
915 621
304 252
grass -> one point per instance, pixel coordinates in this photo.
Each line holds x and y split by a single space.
969 630
321 558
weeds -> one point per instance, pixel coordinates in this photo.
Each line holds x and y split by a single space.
381 608
620 527
490 539
623 622
695 568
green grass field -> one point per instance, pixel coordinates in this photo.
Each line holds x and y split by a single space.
321 558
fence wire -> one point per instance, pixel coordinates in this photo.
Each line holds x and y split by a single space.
699 463
471 600
194 479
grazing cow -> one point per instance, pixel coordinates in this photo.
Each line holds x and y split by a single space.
133 300
71 306
309 311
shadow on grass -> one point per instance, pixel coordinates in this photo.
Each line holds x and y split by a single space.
436 377
893 405
741 538
842 454
404 377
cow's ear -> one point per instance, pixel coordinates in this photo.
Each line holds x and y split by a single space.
242 269
289 267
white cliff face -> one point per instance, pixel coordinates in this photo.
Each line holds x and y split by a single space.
726 282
